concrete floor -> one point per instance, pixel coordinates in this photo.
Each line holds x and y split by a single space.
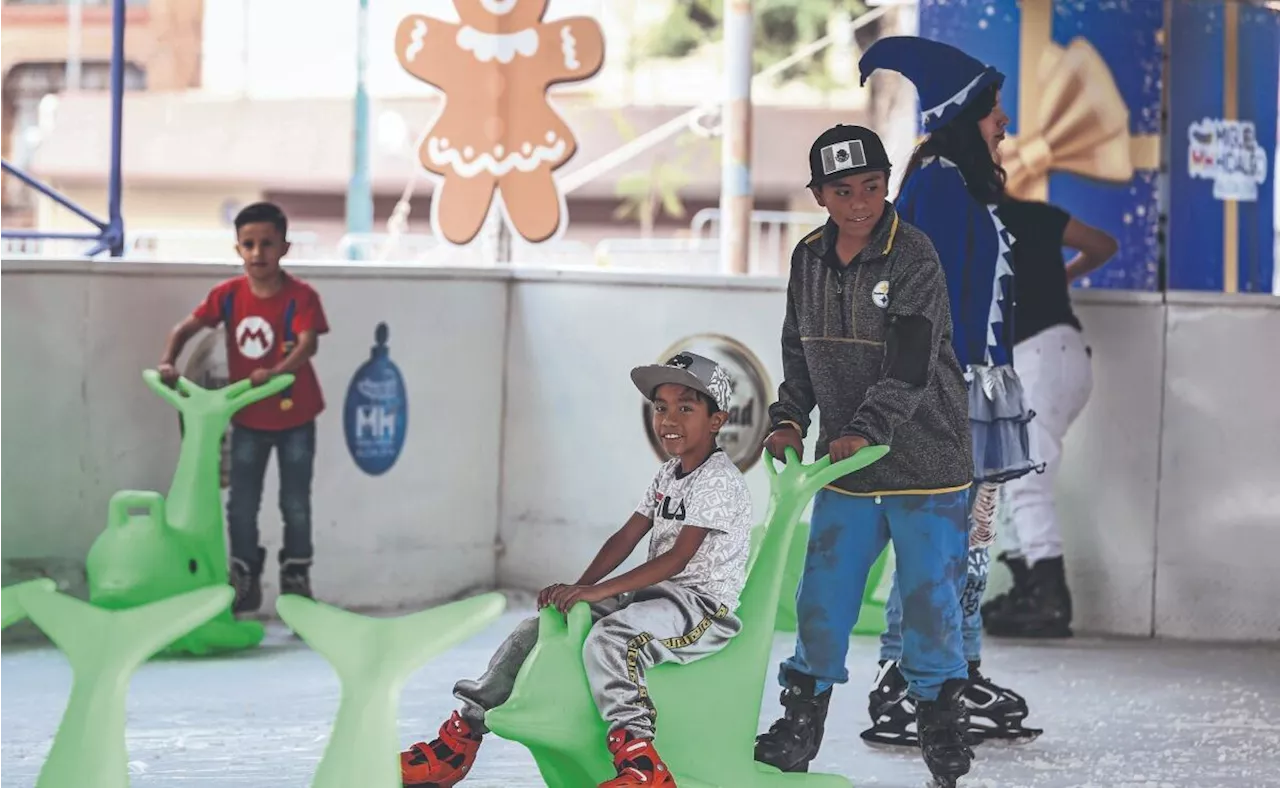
1119 714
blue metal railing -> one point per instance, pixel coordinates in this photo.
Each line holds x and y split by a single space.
110 233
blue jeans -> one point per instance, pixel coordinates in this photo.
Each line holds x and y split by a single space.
295 458
970 600
848 533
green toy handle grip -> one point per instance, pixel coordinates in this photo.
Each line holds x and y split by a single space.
120 504
166 392
813 477
237 395
243 392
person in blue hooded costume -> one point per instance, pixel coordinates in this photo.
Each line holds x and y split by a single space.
951 189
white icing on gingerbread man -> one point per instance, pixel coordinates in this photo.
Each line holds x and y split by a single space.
497 129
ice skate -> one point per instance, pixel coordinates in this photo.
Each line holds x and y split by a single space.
793 741
995 714
892 711
941 726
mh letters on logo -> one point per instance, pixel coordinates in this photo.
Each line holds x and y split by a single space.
374 421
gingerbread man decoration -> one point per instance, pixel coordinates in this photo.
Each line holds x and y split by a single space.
497 130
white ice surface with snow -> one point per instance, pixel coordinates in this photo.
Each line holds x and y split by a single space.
1117 714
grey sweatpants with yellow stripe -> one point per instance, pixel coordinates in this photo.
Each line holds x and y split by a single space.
662 623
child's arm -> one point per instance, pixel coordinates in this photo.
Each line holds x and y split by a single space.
302 352
173 345
662 567
616 549
312 322
612 553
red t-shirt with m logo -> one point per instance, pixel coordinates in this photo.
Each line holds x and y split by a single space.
261 332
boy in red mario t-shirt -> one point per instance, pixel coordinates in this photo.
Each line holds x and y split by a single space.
273 322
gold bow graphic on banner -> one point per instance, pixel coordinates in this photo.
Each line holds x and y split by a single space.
1078 123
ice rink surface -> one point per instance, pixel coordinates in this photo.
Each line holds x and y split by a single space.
1116 713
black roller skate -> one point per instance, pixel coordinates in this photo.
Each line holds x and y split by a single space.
793 741
941 725
892 711
995 713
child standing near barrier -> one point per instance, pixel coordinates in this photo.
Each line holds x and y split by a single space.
273 323
867 339
676 607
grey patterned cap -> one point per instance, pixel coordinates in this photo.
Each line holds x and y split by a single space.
687 369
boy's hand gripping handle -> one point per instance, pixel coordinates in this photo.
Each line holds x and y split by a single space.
797 478
187 396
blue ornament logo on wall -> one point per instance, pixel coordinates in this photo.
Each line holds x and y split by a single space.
376 413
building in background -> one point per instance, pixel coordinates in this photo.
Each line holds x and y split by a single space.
45 45
266 113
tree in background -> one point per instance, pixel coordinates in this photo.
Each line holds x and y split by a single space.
649 193
781 26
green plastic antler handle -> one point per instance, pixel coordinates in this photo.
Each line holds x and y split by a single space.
707 710
104 648
191 399
791 488
194 501
373 657
806 480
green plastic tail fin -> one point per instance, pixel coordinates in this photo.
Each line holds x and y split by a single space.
104 648
93 638
373 658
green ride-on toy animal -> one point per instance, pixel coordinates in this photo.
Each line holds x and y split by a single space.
708 710
158 547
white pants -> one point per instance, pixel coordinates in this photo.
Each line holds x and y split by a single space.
1057 378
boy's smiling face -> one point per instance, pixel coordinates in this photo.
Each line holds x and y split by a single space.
855 202
684 422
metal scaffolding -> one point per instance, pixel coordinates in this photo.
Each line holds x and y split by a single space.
109 234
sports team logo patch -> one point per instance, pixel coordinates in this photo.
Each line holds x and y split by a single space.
843 156
880 294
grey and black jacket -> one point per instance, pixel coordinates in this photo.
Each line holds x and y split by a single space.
870 345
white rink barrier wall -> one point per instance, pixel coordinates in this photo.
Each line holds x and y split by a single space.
526 443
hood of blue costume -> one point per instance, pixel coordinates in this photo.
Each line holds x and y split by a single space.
945 77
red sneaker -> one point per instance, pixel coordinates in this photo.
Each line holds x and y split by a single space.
444 762
637 763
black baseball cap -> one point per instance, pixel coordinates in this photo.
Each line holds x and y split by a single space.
842 151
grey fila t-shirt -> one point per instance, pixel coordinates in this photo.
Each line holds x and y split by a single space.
715 497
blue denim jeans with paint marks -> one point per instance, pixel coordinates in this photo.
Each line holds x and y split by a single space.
975 586
930 541
970 599
295 459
